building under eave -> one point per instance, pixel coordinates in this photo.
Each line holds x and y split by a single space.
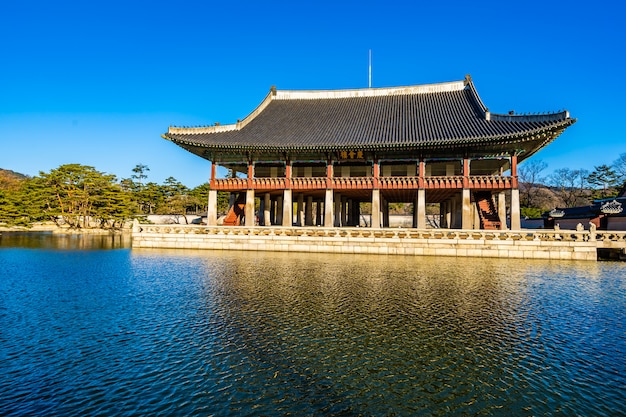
331 150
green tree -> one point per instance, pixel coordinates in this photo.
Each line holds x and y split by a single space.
140 173
199 198
81 197
605 180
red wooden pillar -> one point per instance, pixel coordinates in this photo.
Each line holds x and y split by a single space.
466 172
250 174
213 171
421 172
329 174
288 174
376 174
514 171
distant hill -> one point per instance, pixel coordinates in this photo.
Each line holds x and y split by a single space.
7 173
10 179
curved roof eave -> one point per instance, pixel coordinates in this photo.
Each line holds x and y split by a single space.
552 132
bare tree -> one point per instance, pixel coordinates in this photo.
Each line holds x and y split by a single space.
619 166
530 181
570 186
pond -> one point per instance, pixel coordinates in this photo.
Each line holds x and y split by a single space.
89 326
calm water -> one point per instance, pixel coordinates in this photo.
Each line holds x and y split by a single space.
90 327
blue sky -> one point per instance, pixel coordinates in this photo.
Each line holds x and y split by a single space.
98 82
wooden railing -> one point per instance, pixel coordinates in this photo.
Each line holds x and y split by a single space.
482 182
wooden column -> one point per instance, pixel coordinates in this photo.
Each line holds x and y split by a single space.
250 174
213 173
514 171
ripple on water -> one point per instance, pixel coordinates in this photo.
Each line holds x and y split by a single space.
161 332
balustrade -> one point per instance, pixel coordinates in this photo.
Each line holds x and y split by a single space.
600 236
486 182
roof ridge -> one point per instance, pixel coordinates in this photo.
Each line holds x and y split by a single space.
369 92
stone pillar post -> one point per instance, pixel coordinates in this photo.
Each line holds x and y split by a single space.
308 211
421 209
502 210
466 216
475 217
516 221
249 208
287 208
318 214
337 220
267 209
385 213
329 213
262 212
279 210
300 210
344 211
211 214
454 215
273 212
356 213
375 220
445 213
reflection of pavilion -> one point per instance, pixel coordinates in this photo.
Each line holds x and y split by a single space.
330 151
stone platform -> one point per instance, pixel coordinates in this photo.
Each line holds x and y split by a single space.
524 244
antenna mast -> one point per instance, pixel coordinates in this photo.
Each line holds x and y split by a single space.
370 70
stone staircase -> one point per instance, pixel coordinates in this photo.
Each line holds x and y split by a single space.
487 212
236 212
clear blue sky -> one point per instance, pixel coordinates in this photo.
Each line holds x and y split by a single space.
98 82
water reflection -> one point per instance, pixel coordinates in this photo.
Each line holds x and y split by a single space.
64 241
359 334
176 332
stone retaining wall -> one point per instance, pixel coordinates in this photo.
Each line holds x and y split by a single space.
567 245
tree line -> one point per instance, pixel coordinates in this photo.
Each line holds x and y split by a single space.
567 187
80 197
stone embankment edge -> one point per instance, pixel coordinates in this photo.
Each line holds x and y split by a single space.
177 238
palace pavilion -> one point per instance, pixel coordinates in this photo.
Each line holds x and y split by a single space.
312 158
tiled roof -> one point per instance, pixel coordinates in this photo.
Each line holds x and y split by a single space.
417 117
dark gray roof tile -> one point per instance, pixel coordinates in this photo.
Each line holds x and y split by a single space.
419 117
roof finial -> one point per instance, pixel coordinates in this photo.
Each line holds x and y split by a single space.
468 79
370 71
273 89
